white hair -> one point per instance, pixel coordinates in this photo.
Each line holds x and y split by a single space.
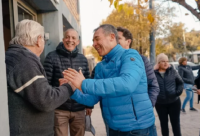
71 29
27 32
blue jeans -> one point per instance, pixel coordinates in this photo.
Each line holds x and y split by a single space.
151 131
189 95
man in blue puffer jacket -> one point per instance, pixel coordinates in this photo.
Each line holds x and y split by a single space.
120 84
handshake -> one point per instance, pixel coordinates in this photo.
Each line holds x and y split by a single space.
73 78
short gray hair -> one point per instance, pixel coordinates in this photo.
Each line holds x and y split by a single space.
27 32
108 29
73 30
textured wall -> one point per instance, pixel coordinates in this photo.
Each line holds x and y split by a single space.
4 125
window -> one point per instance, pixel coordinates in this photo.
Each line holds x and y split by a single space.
24 13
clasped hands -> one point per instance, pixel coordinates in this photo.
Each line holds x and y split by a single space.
73 78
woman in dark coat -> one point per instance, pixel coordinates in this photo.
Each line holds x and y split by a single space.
168 101
185 71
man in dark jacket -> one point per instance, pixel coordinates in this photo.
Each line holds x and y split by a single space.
66 56
125 40
31 99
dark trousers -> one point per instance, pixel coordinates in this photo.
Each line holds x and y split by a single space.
150 131
173 110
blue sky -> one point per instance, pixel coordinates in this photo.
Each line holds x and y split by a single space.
92 12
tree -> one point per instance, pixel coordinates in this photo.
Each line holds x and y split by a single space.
183 3
192 39
139 21
176 37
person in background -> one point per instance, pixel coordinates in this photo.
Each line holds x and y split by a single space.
31 100
168 101
66 55
185 71
125 40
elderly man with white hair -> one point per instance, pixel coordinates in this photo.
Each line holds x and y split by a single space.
31 99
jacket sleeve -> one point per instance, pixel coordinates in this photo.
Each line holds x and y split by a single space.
48 66
153 87
179 84
87 75
85 99
29 82
130 74
195 67
180 71
87 72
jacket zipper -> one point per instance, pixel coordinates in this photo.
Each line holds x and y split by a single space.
133 108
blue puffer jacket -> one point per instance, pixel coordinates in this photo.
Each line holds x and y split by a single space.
121 85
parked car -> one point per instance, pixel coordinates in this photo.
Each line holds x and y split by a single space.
176 64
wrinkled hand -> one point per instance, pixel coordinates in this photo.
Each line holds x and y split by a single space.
198 91
88 111
76 78
64 81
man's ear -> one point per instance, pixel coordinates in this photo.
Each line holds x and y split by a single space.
78 42
112 36
38 41
129 41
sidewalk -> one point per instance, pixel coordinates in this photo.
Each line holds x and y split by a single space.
190 122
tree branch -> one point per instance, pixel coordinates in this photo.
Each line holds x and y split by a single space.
188 7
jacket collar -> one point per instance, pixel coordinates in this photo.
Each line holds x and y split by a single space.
169 68
112 53
20 47
63 51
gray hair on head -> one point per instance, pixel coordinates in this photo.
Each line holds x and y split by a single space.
71 29
108 29
27 32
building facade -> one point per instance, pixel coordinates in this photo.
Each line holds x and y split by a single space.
55 15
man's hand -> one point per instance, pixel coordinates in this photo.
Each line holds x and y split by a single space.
198 91
76 78
88 111
64 81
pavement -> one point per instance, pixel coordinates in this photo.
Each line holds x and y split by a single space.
190 121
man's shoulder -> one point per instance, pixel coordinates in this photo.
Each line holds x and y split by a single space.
132 53
52 54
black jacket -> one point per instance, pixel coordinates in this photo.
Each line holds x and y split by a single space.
58 61
31 100
171 86
186 73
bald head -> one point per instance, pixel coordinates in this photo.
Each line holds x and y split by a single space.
71 30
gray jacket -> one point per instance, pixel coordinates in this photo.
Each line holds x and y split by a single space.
31 99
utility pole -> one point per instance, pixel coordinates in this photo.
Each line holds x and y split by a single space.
184 44
152 39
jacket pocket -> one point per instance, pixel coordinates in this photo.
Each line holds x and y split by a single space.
133 109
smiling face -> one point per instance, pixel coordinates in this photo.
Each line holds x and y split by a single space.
70 39
103 43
